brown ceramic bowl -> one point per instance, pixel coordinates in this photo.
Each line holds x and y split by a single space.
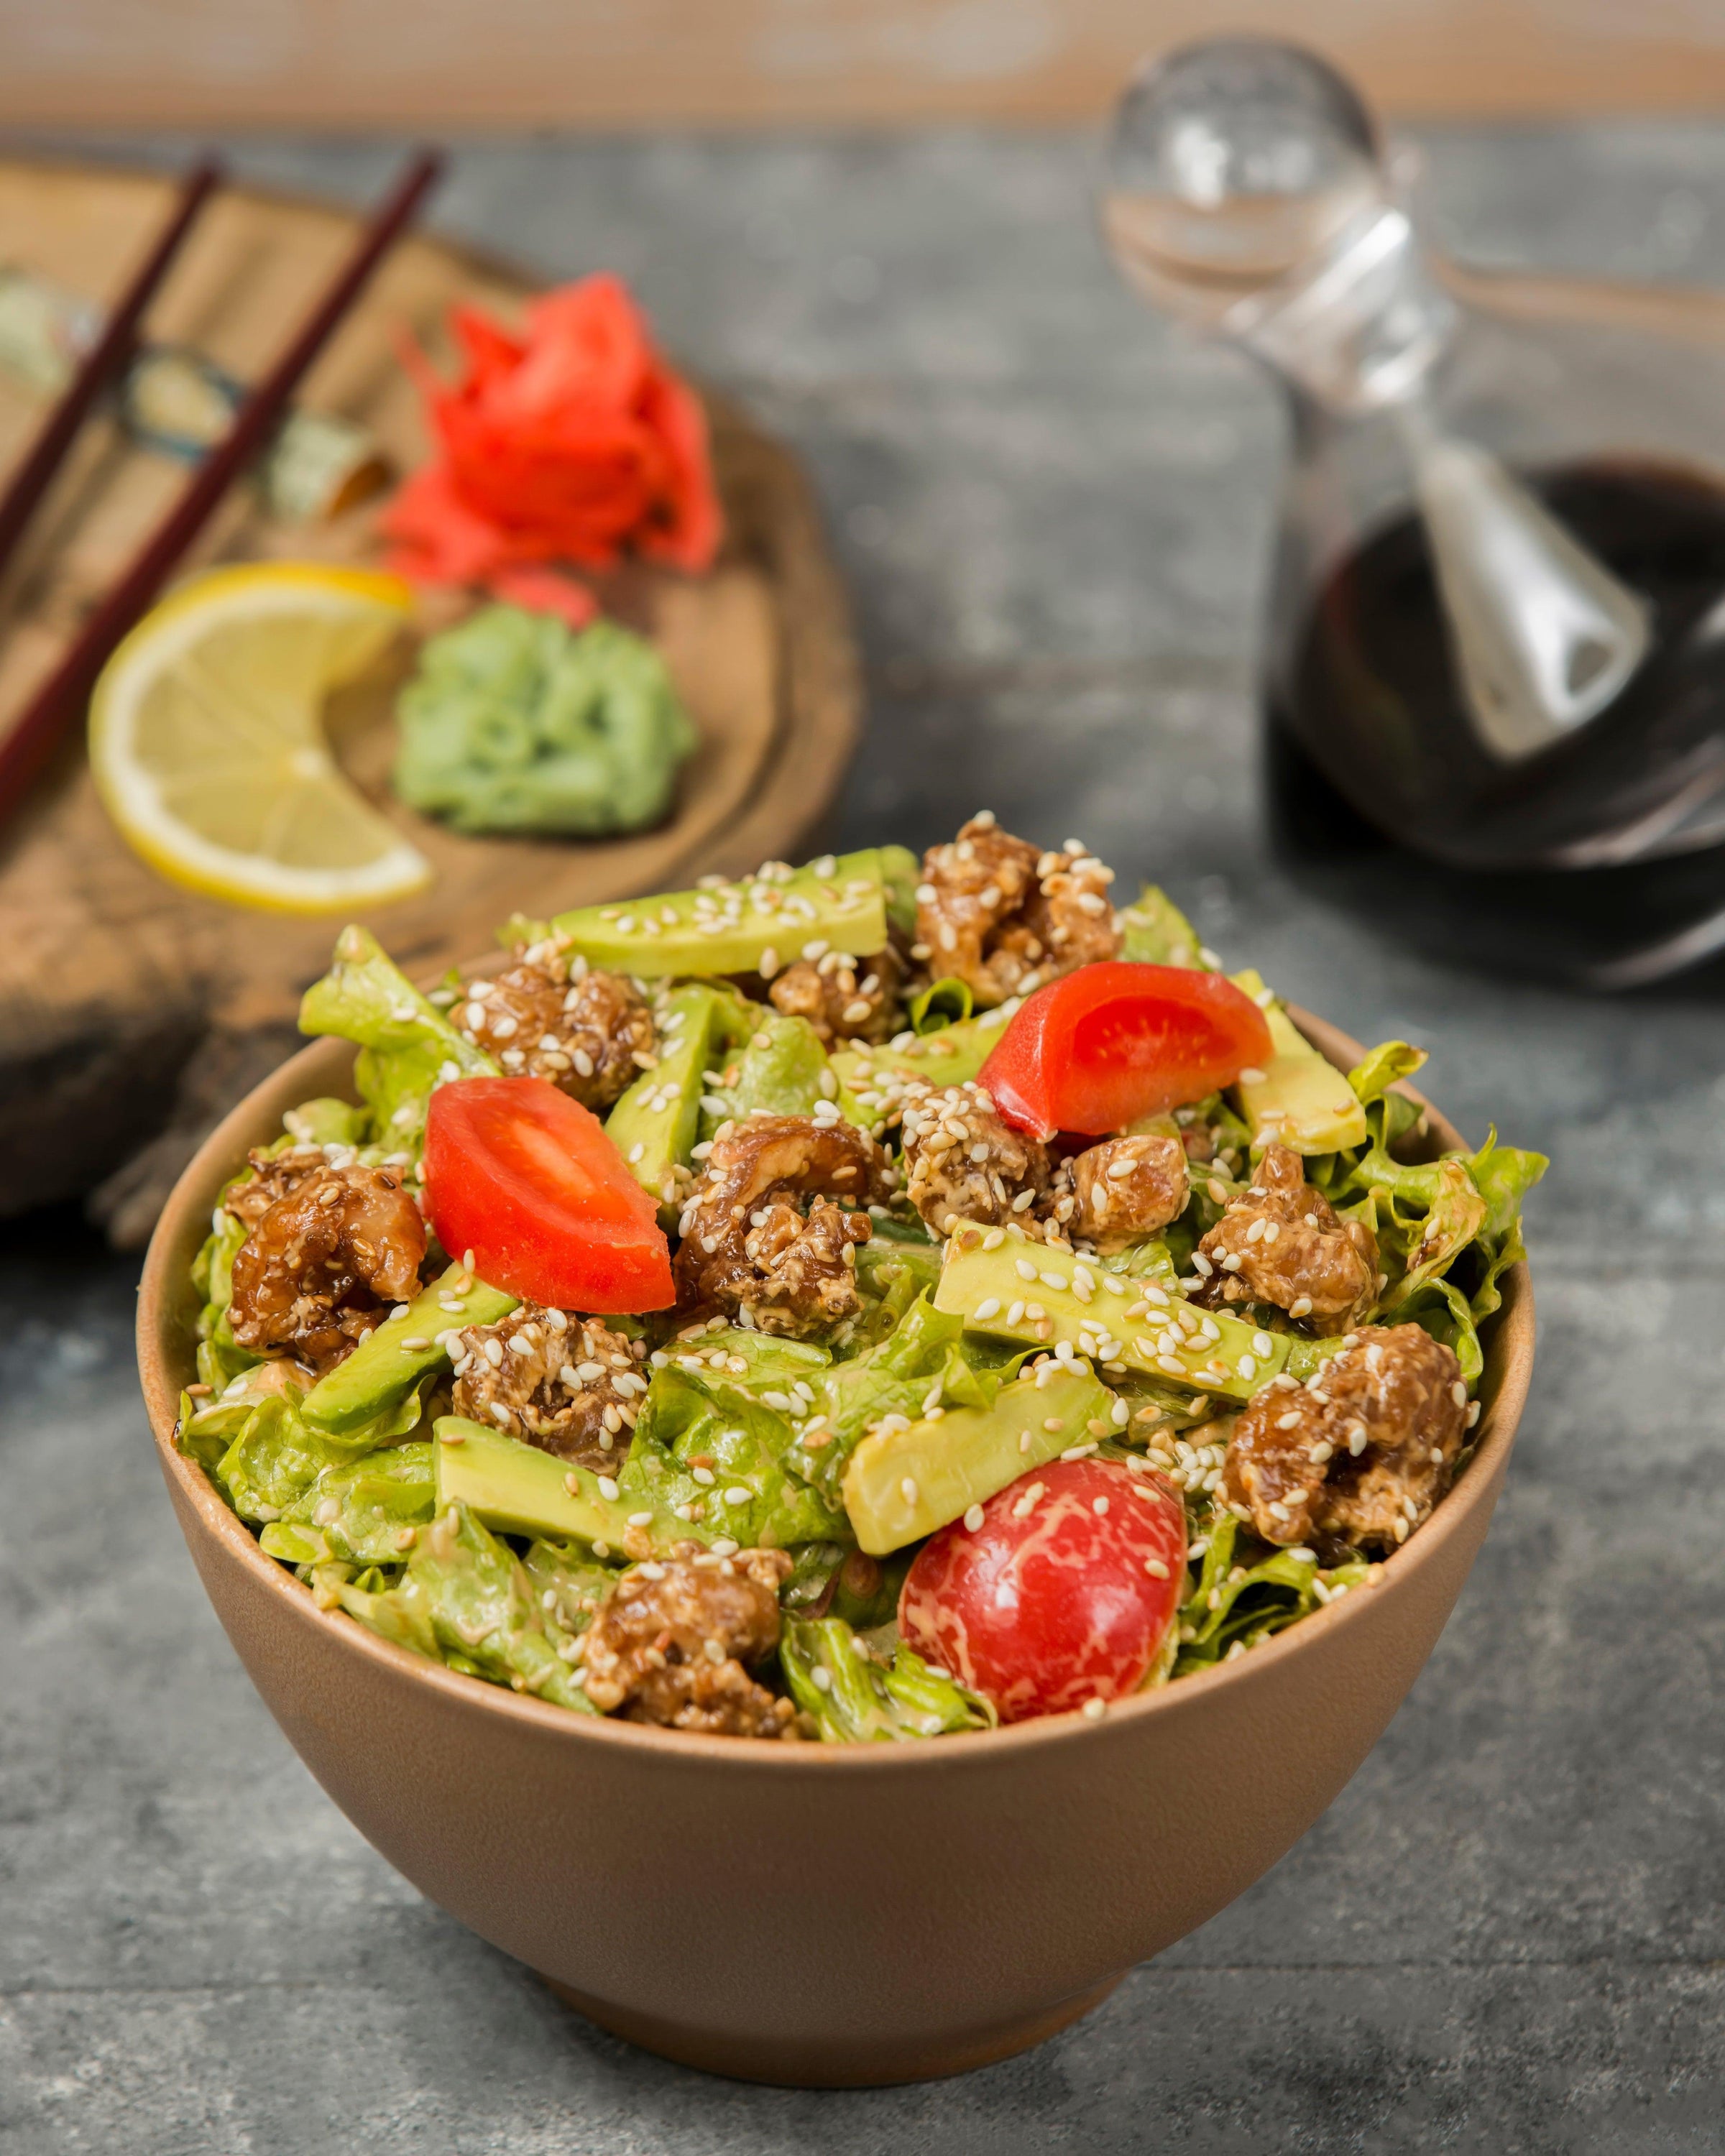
811 1914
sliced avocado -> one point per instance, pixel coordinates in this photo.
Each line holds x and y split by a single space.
1154 1331
1153 931
754 924
903 1484
519 1489
951 1057
1300 1101
656 1124
388 1364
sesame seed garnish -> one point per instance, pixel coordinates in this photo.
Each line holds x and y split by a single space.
1093 1710
973 1517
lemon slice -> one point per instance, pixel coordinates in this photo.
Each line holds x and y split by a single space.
207 744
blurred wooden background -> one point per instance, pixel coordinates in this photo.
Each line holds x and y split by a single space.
355 63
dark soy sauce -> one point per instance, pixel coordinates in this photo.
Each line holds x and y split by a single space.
1375 701
1609 843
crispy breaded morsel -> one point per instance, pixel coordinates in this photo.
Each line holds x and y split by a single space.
589 1033
993 912
322 1256
568 1384
748 1248
1362 1452
963 1163
672 1643
1280 1241
844 998
1127 1188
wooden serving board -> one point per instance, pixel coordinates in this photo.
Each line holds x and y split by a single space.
133 1014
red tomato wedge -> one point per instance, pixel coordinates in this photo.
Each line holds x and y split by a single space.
1110 1042
525 1178
1050 1604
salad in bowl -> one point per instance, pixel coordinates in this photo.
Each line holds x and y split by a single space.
872 1300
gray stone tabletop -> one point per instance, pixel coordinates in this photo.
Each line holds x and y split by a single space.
1507 1935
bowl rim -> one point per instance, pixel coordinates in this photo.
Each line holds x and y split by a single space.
1510 1351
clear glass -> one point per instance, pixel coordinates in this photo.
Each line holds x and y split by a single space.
1498 621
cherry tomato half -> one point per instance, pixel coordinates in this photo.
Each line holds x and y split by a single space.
525 1178
1097 1049
1051 1604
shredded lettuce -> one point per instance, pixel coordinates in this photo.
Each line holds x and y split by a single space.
1233 1603
406 1045
464 1597
856 1699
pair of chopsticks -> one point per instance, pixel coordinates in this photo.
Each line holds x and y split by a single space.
62 697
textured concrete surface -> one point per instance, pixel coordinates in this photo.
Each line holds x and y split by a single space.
1507 1934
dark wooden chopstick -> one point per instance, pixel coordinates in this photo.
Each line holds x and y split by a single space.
100 365
64 694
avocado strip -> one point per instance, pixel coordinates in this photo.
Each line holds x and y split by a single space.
1026 1292
1300 1099
519 1489
903 1483
388 1364
760 924
656 1123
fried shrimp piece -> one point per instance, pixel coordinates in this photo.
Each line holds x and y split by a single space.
1126 1188
568 1384
963 1163
324 1254
995 914
672 1643
747 1247
842 998
589 1033
1281 1242
1361 1452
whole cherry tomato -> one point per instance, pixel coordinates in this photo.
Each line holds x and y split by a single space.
1063 1594
525 1178
1097 1049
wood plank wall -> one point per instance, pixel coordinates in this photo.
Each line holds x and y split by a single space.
354 63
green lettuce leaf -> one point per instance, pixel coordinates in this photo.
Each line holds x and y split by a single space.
1234 1603
407 1046
356 1513
1383 1067
857 1699
273 1457
466 1600
746 1488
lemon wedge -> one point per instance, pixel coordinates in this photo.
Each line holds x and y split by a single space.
207 743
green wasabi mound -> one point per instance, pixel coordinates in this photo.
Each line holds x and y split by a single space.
514 723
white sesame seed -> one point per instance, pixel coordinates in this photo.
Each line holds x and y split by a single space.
908 1490
1093 1710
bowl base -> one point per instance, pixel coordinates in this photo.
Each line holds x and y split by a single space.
834 2062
